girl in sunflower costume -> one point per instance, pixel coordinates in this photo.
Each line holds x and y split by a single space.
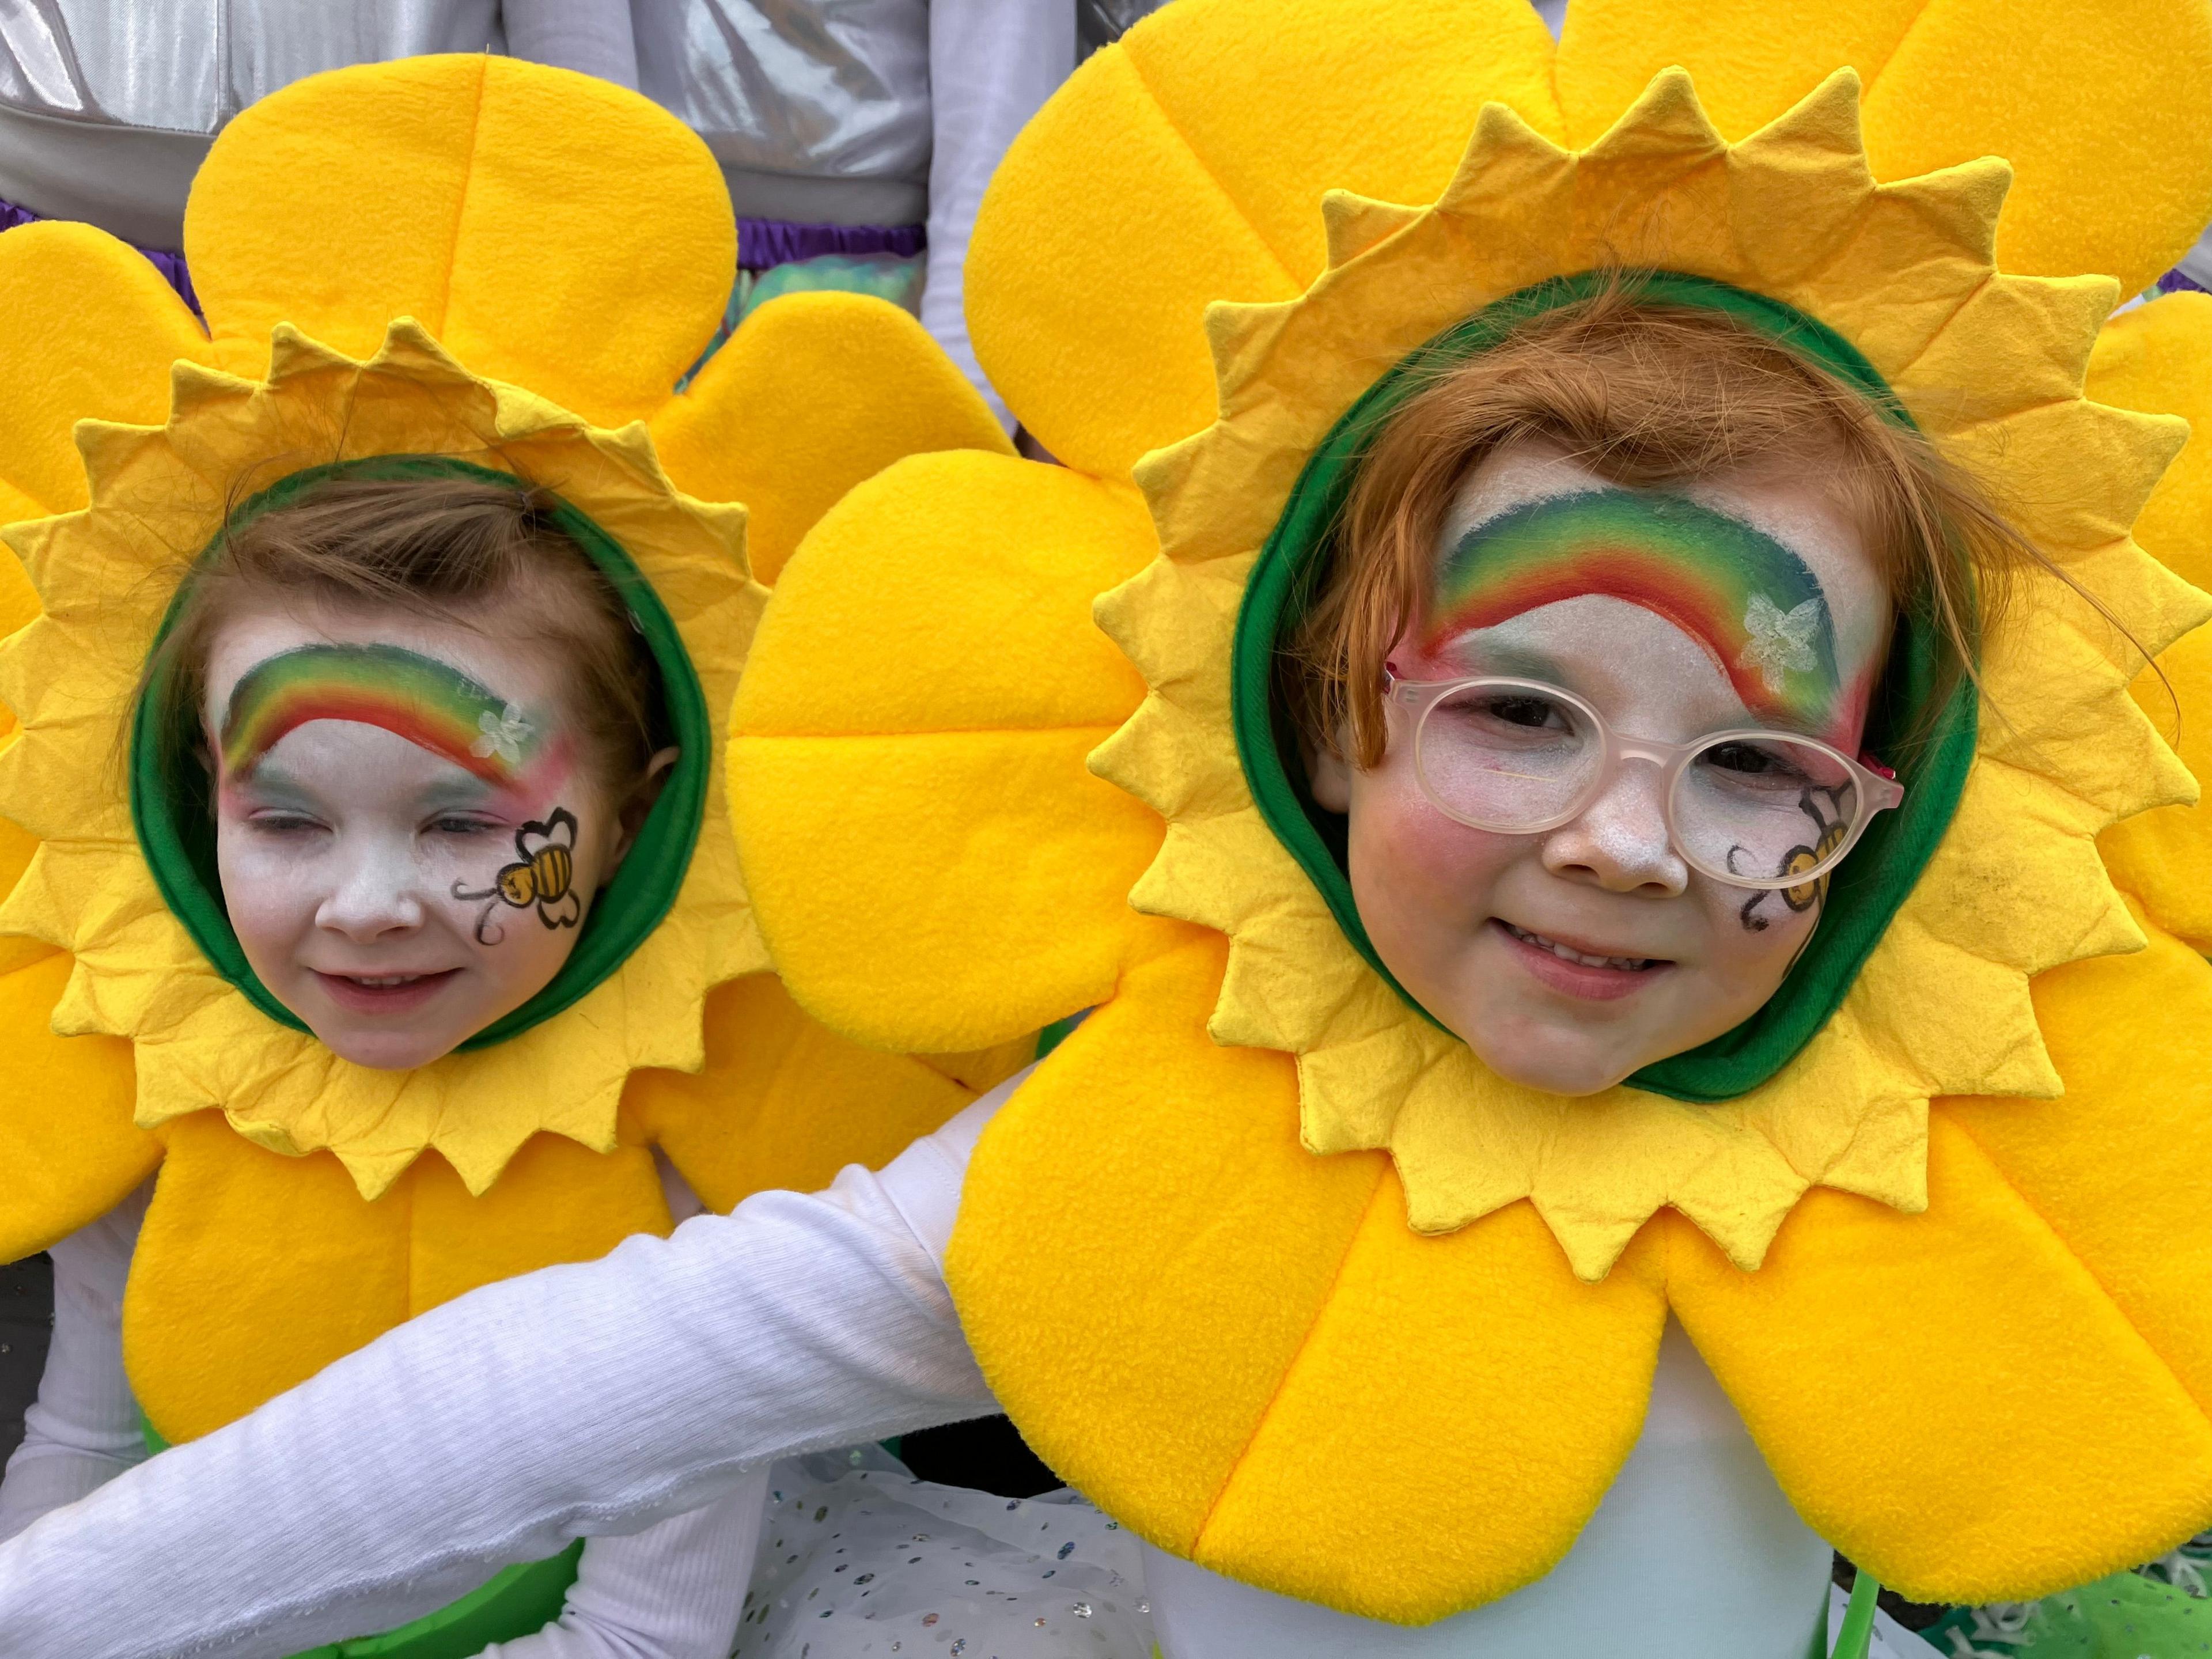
368 776
1377 1249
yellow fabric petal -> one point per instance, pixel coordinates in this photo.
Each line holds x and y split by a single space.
67 1142
92 328
783 1102
1214 1375
1104 370
1391 122
2099 108
812 395
1957 1399
931 865
2158 359
254 1271
551 229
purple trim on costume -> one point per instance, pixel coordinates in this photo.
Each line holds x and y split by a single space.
2175 282
764 244
171 265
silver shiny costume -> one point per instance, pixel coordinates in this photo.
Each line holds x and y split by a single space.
106 107
818 110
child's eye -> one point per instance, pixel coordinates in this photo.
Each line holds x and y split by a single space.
459 824
282 824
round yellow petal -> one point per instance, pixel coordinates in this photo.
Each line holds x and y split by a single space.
254 1271
908 773
550 228
783 1101
2097 108
1953 1398
1231 1344
70 1148
814 394
92 328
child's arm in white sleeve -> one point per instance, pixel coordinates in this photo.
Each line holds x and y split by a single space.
83 1431
992 64
595 1398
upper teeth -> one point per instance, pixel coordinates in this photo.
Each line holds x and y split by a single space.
1561 950
382 980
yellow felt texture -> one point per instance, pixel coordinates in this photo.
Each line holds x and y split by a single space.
930 861
2046 1358
2099 108
784 1102
550 228
1145 1186
1104 369
813 394
1393 126
254 1271
2158 358
67 1143
91 330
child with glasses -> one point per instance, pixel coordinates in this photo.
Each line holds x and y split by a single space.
1582 694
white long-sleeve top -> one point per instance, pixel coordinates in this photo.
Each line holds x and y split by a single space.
600 1399
673 1591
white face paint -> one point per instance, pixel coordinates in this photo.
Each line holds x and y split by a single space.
1569 959
346 850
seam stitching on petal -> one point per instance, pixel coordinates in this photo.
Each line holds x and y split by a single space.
1868 84
2204 1406
461 201
1235 207
1321 1312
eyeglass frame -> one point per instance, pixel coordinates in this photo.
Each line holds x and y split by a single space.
1876 791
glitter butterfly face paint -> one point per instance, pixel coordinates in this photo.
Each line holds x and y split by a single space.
1752 605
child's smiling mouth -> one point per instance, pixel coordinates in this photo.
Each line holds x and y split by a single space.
1576 972
382 994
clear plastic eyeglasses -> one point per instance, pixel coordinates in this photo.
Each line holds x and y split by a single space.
1749 808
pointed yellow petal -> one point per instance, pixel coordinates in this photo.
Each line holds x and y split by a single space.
812 395
1352 223
1752 59
2099 109
783 1101
412 189
255 1270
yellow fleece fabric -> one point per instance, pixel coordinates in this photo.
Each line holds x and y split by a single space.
388 255
1183 1256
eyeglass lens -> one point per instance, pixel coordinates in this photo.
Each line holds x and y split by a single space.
1512 759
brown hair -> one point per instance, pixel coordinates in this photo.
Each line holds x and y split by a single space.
443 546
1642 394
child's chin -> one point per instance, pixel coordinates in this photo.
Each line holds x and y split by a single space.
389 1051
1556 1062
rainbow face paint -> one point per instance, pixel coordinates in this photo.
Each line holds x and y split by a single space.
432 704
1749 602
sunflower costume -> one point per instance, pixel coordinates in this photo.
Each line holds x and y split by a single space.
1258 1238
294 1215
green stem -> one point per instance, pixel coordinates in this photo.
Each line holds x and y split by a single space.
1858 1619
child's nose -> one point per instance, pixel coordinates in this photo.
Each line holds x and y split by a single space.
1620 842
376 897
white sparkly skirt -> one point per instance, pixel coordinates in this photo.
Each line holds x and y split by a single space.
860 1560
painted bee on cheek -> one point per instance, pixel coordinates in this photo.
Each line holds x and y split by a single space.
543 874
